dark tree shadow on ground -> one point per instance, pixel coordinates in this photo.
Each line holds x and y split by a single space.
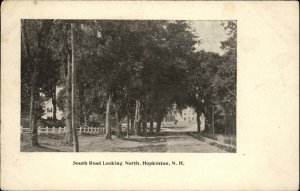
171 133
145 140
145 148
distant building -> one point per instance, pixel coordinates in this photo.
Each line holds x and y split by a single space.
48 107
187 116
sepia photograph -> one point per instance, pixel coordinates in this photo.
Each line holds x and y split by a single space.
128 86
149 95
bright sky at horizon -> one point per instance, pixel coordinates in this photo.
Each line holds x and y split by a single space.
211 33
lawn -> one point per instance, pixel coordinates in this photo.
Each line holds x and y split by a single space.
96 143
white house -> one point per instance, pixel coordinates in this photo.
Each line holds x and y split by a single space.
188 116
48 107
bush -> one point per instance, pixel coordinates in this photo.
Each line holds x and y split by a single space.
94 123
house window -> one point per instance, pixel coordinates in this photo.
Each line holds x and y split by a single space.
49 117
49 110
184 119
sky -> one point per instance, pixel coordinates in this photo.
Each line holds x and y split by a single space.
211 33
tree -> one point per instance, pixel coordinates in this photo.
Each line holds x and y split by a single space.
34 35
200 75
63 46
225 79
74 108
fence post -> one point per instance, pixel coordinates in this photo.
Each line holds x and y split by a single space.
47 130
80 130
53 129
59 130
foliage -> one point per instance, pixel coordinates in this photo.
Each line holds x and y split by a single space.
155 62
225 79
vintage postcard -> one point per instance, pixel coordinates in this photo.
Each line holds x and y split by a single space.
144 95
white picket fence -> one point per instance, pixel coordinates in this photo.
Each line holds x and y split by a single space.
62 130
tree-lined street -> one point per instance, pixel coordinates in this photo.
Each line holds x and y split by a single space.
166 142
126 71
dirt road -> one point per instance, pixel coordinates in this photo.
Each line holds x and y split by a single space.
179 142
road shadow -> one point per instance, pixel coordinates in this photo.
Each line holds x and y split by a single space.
145 140
144 148
171 133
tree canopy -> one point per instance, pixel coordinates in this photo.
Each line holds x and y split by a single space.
145 67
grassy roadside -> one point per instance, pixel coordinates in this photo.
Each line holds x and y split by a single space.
222 146
96 143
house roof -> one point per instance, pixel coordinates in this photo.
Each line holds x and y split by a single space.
48 101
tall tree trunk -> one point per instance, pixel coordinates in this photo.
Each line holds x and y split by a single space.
198 122
144 124
132 123
74 105
54 103
81 114
136 117
144 121
107 120
68 136
137 120
151 126
120 128
158 125
118 124
128 125
33 109
139 128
